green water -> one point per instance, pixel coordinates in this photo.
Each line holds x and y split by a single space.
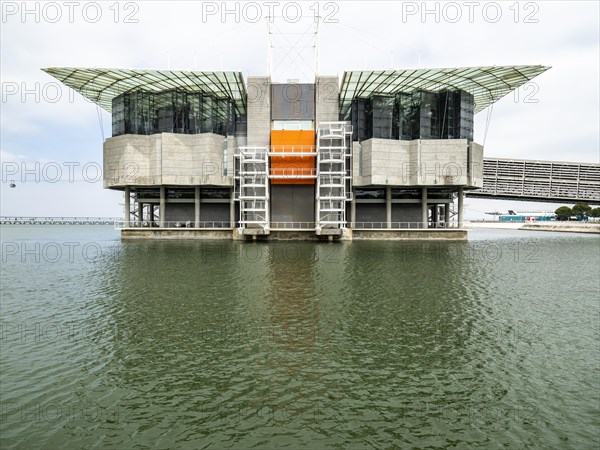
486 344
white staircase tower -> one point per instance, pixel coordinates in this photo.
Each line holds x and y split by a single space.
252 181
334 176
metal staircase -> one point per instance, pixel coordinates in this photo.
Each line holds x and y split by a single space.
252 180
334 175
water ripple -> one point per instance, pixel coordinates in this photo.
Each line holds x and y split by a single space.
491 343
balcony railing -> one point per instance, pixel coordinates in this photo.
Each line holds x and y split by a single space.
402 225
292 226
292 172
294 150
187 224
284 226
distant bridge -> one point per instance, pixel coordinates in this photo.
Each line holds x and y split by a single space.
12 220
539 181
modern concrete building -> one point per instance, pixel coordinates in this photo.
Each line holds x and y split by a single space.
379 154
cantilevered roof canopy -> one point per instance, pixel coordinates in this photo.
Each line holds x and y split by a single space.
487 84
102 85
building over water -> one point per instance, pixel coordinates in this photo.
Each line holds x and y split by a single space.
377 154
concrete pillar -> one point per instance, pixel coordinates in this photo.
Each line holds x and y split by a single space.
424 208
435 215
388 206
151 214
460 207
197 207
140 212
127 207
259 111
161 209
352 210
232 209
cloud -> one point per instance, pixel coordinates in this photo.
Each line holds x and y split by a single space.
562 126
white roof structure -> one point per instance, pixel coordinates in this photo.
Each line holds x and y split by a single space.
486 84
102 85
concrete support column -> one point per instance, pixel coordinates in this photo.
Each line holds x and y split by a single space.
424 208
460 207
352 210
435 215
161 209
127 207
197 207
232 208
388 206
151 214
140 212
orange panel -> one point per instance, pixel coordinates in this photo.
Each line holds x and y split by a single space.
296 141
292 137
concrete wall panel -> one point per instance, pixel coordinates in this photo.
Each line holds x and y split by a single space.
434 162
327 107
168 159
179 212
406 212
292 203
370 212
259 111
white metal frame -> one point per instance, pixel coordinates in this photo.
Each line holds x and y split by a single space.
334 174
252 181
291 172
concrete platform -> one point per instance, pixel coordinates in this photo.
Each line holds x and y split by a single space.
329 232
255 232
170 233
297 235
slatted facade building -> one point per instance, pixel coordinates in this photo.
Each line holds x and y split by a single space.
553 181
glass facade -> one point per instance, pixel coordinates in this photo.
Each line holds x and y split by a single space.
216 193
183 193
180 193
440 194
406 194
415 115
172 112
369 194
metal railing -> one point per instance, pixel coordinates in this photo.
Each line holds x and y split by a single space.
333 129
285 226
334 155
12 220
402 225
186 224
276 150
292 226
292 172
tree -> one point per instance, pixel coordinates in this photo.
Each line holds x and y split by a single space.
563 213
581 210
595 212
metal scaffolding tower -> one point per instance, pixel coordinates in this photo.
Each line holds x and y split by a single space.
252 180
334 174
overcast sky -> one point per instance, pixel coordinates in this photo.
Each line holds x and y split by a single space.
55 134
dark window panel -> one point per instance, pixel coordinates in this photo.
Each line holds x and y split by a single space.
172 112
415 115
369 194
